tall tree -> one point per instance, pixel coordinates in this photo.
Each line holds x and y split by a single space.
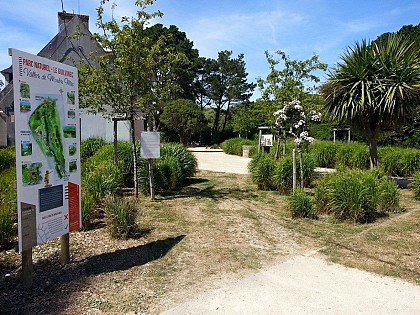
374 86
288 80
226 85
122 79
184 117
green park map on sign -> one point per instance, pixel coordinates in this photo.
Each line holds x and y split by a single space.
46 129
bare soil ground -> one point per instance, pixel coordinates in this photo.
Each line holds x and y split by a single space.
215 230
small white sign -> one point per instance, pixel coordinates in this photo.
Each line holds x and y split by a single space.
150 145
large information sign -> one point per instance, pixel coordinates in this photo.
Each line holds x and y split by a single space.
47 137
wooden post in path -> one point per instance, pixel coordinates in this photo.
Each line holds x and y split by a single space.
65 249
27 268
152 187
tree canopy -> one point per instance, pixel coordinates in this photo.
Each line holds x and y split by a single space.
375 85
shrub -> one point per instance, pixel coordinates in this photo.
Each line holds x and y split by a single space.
234 146
170 171
8 212
324 153
396 161
8 195
90 146
121 217
125 160
89 205
7 230
100 179
262 168
415 185
7 158
282 177
299 204
356 195
353 155
389 196
186 159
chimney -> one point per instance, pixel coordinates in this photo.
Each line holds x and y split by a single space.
64 17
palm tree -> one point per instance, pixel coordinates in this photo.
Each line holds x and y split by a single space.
374 86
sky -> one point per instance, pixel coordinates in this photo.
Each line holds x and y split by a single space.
300 28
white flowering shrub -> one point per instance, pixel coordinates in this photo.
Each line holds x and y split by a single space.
293 119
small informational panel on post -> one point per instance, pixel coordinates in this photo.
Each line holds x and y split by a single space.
47 137
266 140
150 145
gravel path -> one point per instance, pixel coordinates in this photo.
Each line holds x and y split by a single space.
303 284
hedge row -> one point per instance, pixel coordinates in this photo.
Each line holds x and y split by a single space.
394 161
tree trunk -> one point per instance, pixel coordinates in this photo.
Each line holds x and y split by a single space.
373 151
134 152
301 169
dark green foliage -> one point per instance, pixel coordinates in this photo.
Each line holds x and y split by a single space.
353 155
320 131
397 161
186 158
90 146
124 157
121 217
89 206
415 185
356 195
262 168
324 153
185 117
299 204
8 213
389 197
7 157
170 171
234 146
100 178
282 177
7 230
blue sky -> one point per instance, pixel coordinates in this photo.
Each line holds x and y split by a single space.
298 27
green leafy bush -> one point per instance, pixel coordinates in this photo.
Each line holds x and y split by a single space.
415 185
234 146
121 215
186 159
324 153
7 158
299 204
355 195
90 146
262 168
124 156
8 211
397 161
89 205
100 179
353 155
7 230
282 177
170 171
389 196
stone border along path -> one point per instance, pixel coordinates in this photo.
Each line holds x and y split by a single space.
303 284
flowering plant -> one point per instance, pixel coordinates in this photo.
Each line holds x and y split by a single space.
293 119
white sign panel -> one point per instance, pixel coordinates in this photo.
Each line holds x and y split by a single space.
47 137
150 145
